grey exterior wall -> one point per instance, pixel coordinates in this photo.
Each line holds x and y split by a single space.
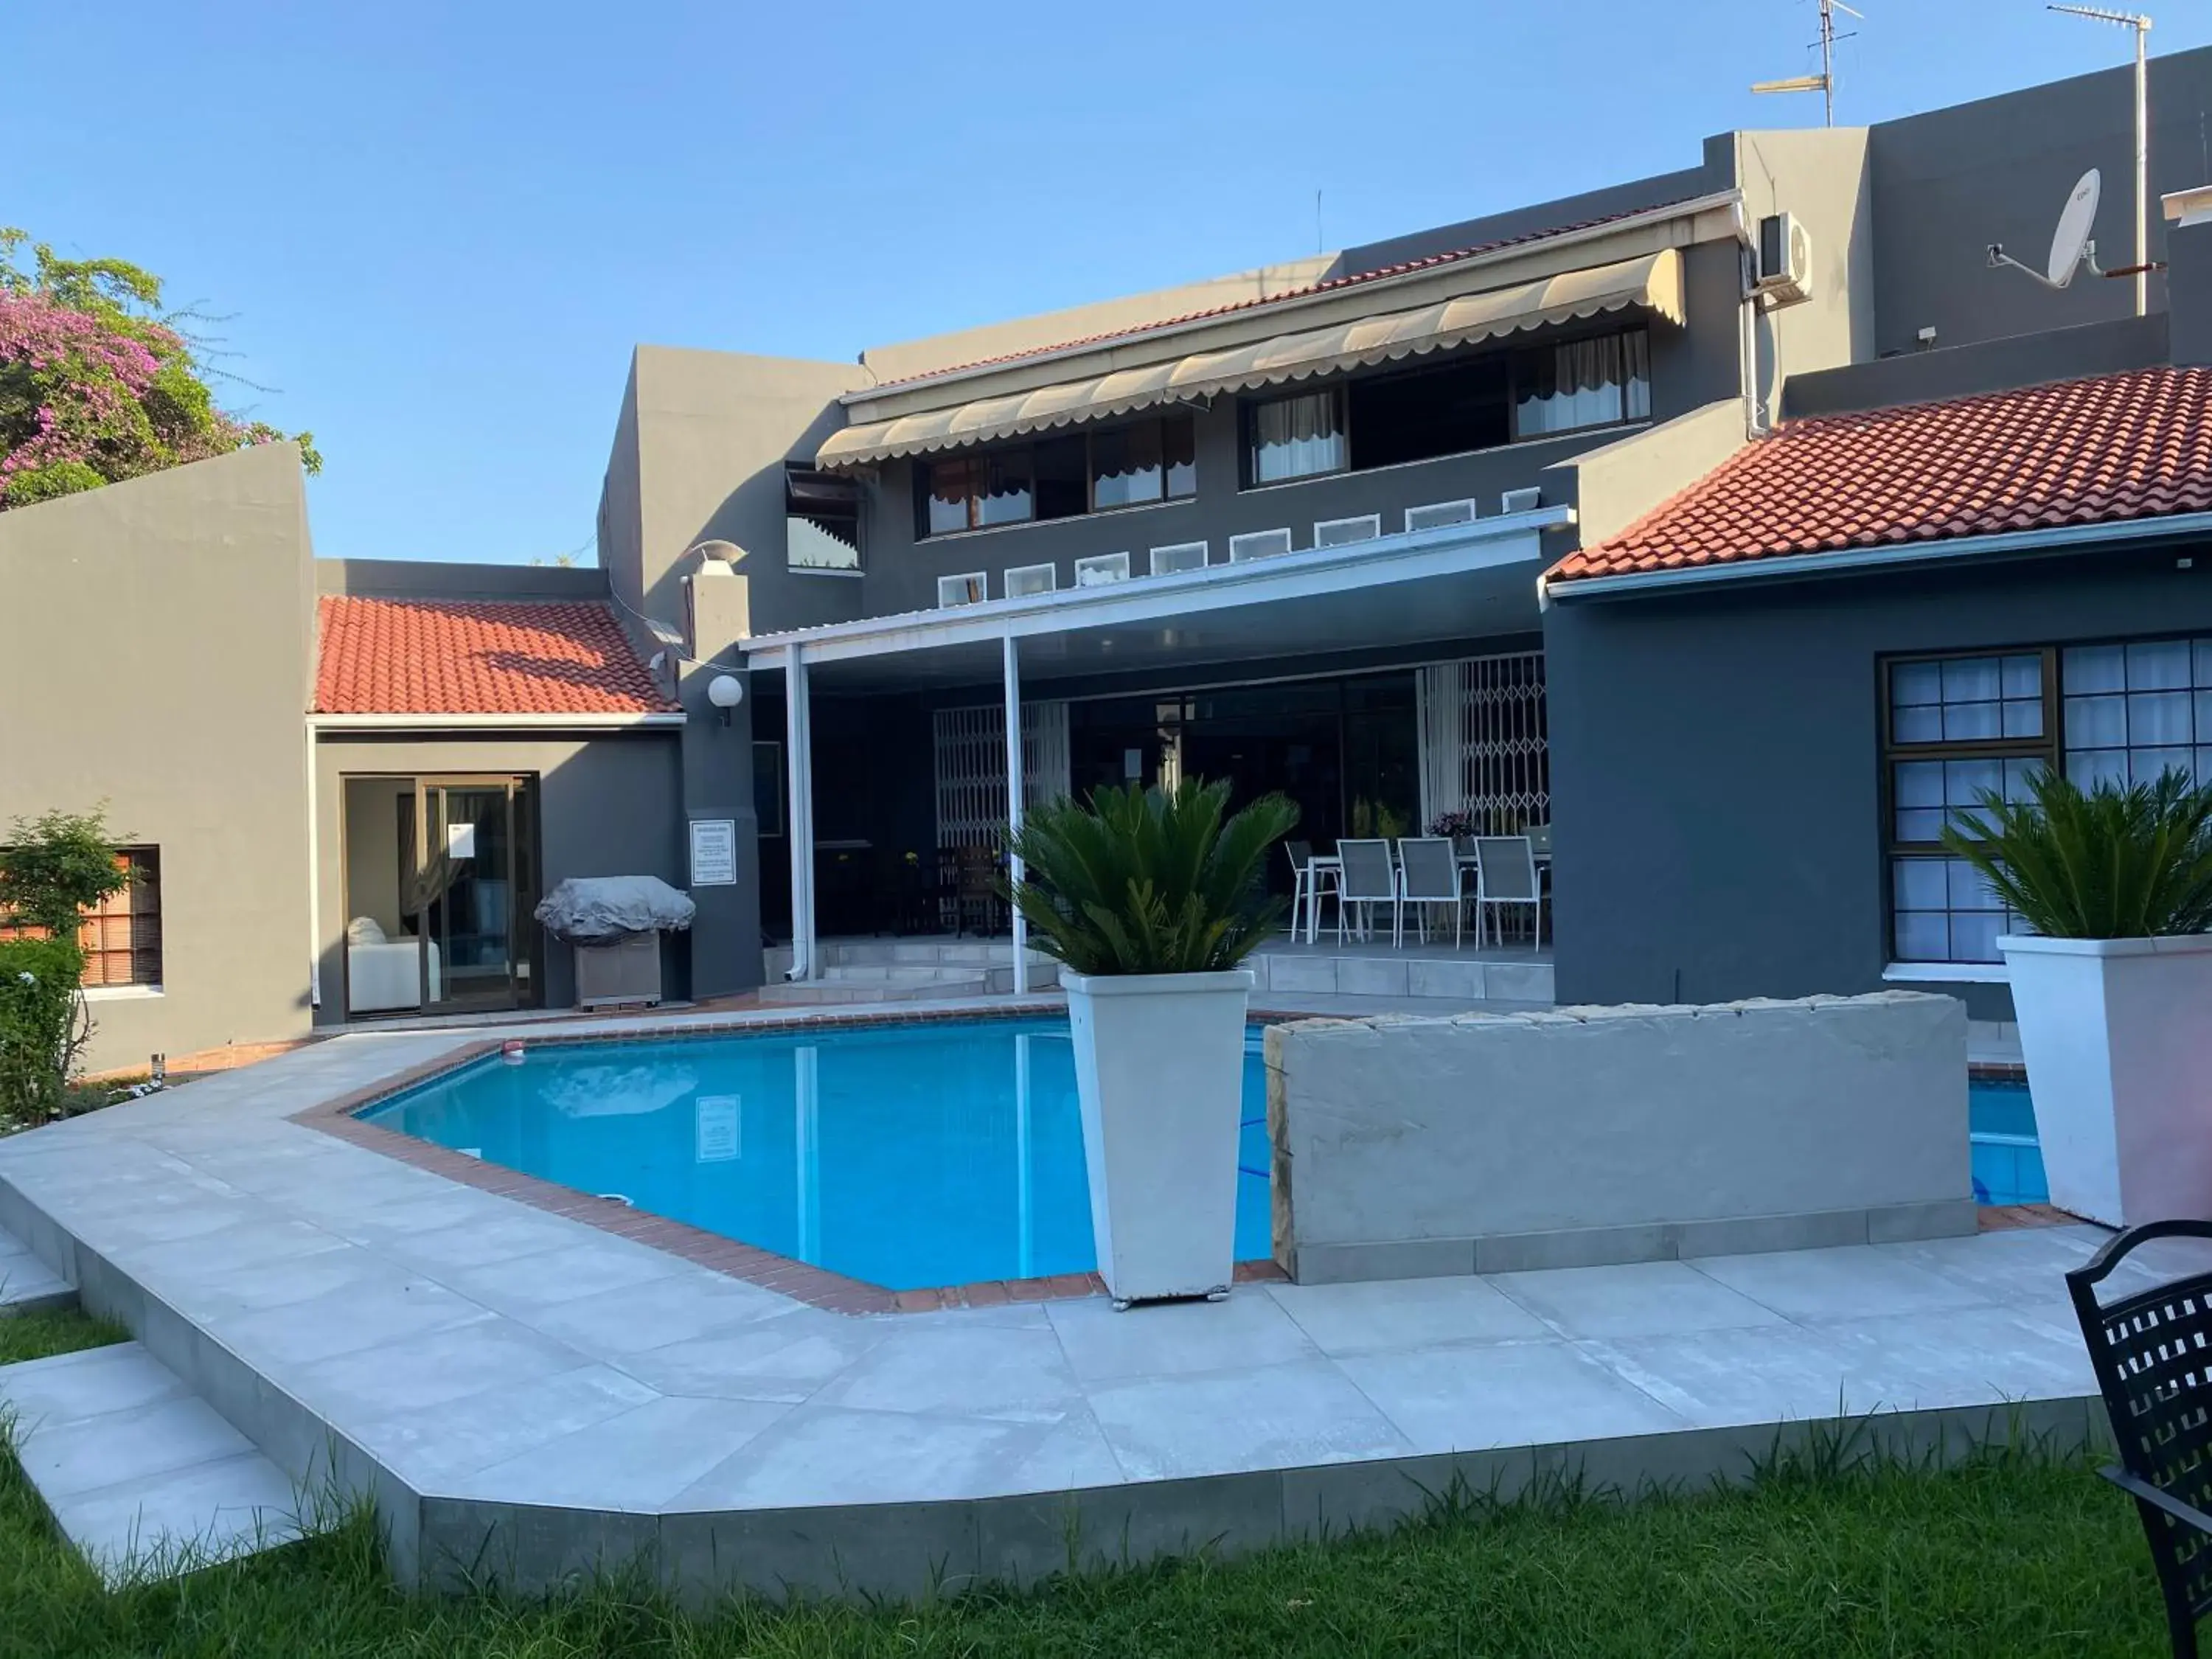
2107 348
608 804
1715 783
2189 283
1949 182
157 661
425 579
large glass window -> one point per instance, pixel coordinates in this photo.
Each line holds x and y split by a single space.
1294 437
1058 476
2132 711
1599 382
120 936
1444 411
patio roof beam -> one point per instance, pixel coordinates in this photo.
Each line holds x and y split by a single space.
798 741
1021 935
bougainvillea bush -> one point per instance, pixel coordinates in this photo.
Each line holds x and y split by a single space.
96 385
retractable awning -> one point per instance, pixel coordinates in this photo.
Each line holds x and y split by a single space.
1652 282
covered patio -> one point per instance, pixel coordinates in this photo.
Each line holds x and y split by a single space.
1424 606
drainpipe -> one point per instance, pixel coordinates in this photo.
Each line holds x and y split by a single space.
1013 666
314 879
798 825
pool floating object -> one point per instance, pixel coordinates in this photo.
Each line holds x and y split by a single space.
511 1051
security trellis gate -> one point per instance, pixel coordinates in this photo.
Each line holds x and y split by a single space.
1483 747
971 767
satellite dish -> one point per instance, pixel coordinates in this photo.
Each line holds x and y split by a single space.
2071 250
2071 239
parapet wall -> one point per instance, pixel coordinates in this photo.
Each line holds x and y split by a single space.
1493 1143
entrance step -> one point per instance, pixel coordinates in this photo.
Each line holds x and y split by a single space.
26 1284
141 1475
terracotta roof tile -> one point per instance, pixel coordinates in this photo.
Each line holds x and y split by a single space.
2095 450
1404 267
465 657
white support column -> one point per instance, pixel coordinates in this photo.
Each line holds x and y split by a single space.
799 813
1014 808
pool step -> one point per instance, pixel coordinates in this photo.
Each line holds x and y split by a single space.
26 1284
847 982
141 1475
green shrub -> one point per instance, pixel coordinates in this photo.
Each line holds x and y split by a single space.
1150 881
37 1018
2116 863
55 867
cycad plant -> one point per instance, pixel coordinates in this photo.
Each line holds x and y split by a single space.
2114 863
1150 881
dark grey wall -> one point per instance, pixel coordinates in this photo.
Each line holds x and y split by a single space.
2189 283
1714 173
1690 367
1948 183
1715 785
433 579
608 805
2107 348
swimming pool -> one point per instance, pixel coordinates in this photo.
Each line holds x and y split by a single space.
2008 1161
906 1156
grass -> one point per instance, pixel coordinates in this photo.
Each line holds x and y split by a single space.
2018 1553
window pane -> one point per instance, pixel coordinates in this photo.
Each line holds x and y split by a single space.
1296 437
1916 682
1969 722
1964 781
1919 783
2023 720
1582 383
2018 774
1969 889
2158 665
2203 649
2093 668
1920 884
950 485
1917 824
2023 676
1916 724
1179 448
1924 936
2146 764
1636 356
2096 722
1061 470
1004 496
2158 717
2090 767
1972 679
1125 465
1974 935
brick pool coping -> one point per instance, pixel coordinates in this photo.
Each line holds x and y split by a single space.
801 1281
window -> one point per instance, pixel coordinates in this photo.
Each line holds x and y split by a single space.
1101 568
121 938
1181 556
1956 727
1060 477
2132 711
1446 410
821 519
1294 437
768 787
1599 382
971 589
1024 579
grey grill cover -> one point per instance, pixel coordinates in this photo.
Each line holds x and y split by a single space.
593 909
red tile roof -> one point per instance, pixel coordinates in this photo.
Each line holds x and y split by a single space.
465 657
1404 267
2095 451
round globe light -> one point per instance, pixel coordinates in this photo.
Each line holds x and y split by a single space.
726 690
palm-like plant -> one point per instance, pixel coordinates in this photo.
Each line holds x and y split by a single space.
1150 881
2134 863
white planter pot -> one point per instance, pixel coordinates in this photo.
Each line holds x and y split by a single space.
2118 1037
1159 1071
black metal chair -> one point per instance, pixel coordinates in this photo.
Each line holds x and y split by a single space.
2152 1353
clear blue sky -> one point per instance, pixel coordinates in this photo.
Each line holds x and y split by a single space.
440 228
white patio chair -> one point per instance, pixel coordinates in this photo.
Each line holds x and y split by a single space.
1428 874
1505 875
1309 886
1369 878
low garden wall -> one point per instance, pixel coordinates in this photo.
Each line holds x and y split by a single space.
1494 1143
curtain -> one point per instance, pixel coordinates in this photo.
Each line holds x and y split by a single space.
1583 382
1294 437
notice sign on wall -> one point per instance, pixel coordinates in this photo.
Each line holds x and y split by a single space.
714 851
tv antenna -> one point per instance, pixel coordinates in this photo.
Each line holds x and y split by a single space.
2071 246
2136 20
1825 82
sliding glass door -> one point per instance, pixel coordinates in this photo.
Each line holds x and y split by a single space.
472 890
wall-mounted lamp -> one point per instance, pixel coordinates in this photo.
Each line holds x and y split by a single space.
726 692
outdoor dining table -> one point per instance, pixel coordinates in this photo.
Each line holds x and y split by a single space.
1329 861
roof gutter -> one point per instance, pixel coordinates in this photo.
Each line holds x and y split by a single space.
1725 198
1785 567
491 722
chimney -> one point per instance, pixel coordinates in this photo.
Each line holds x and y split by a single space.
2189 275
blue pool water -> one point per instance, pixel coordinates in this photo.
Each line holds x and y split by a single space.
2007 1162
906 1156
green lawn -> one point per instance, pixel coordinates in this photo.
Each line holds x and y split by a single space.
2016 1555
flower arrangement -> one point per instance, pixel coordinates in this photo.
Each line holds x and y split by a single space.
1454 824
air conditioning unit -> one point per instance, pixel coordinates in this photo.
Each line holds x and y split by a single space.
1437 514
1174 559
1025 580
1101 568
1259 545
1785 260
1335 532
1520 500
973 588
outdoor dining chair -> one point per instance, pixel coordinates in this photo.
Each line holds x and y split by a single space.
2152 1348
1307 884
1428 873
1506 876
1369 878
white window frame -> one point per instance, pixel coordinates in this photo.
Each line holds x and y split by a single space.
1369 526
1474 512
978 581
1101 568
1202 549
1050 584
1244 548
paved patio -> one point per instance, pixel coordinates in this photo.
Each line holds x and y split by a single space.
525 1390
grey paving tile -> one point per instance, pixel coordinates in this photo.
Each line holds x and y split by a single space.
828 1455
432 1445
979 1371
1270 1417
361 1314
1632 1300
1715 1379
481 1244
129 1446
691 1302
583 1267
1517 1393
26 1282
639 1459
2024 1264
1859 1281
1970 1356
222 1293
70 1387
421 1371
1249 1329
786 1359
189 1517
1409 1313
